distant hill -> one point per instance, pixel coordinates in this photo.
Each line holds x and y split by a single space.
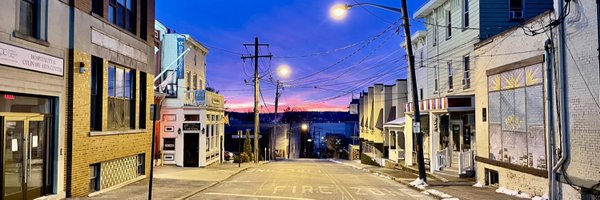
296 116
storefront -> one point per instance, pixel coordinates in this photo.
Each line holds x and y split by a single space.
31 113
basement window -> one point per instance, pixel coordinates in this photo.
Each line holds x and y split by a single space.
491 177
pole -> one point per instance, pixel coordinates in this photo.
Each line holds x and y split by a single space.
239 148
276 119
550 119
152 151
413 82
256 111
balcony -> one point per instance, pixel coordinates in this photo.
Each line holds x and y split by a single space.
205 99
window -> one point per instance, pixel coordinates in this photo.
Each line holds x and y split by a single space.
516 117
192 117
141 164
169 144
421 58
122 13
98 7
435 33
188 77
143 100
491 177
120 99
195 82
448 24
516 9
450 76
96 94
421 93
467 75
94 177
466 14
29 20
435 77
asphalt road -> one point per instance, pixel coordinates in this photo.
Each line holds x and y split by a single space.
305 179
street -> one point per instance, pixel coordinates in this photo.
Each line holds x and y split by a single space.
308 179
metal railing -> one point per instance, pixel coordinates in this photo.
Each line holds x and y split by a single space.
442 158
465 161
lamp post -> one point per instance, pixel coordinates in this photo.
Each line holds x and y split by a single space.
239 148
283 71
338 12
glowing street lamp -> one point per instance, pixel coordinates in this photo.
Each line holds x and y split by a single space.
304 127
339 11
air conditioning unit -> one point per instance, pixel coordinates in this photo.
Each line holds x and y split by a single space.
516 14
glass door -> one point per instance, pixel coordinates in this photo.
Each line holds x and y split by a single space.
23 156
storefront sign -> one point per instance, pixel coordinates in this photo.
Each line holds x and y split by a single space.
30 60
180 62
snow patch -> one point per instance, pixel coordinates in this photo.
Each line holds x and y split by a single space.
543 197
439 194
513 193
478 184
418 183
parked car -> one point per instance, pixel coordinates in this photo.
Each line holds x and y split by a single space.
229 156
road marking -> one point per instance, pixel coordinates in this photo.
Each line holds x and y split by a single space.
306 188
255 196
338 186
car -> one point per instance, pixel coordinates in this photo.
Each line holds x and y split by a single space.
229 156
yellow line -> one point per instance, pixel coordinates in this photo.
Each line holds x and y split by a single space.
255 196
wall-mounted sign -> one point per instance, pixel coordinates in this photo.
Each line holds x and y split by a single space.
201 97
180 62
26 59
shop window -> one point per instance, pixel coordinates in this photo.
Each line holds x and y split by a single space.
94 177
141 164
123 14
97 70
121 102
516 117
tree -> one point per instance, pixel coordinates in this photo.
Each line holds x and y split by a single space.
248 146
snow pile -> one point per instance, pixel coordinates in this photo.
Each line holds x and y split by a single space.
478 184
543 197
418 183
438 193
513 193
453 198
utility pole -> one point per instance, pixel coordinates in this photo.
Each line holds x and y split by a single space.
255 58
276 119
413 82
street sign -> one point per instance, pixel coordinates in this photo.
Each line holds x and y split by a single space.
417 127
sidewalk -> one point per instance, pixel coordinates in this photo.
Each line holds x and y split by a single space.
438 188
171 182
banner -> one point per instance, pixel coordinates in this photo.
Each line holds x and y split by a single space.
181 61
201 97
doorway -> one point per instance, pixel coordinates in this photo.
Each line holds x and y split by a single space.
25 139
456 130
191 149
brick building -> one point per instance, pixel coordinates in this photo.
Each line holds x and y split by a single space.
109 93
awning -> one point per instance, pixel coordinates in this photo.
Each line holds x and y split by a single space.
397 123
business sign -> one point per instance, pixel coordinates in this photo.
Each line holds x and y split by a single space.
201 97
181 61
30 60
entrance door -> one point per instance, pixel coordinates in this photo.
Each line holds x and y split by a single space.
191 149
456 129
23 156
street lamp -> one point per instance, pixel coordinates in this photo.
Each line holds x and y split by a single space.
304 127
339 12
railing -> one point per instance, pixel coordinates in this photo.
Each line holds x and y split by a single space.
465 161
401 154
442 158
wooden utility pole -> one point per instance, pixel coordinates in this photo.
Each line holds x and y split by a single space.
255 58
274 138
413 82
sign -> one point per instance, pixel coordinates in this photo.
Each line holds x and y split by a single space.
201 97
181 61
417 127
30 60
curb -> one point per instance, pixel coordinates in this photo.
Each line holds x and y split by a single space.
187 196
386 176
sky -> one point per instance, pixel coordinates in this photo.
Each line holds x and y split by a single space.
331 61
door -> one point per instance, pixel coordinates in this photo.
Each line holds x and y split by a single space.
191 149
23 156
456 132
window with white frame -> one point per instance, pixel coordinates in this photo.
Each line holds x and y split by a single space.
448 24
467 72
516 10
465 13
450 76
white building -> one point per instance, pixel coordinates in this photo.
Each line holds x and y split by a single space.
191 121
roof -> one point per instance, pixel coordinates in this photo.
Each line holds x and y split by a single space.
427 8
397 122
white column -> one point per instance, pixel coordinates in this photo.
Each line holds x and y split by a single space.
408 141
434 141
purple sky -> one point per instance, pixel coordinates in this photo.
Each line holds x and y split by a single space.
330 60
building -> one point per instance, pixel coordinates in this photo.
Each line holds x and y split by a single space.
271 138
511 132
192 117
109 94
33 60
453 28
394 125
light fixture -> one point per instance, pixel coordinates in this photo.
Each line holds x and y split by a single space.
284 70
81 67
179 131
304 127
339 11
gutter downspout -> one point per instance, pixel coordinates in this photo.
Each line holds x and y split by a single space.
598 30
564 94
551 146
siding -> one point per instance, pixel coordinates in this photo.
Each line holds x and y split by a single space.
495 14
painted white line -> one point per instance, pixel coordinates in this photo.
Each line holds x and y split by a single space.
254 196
